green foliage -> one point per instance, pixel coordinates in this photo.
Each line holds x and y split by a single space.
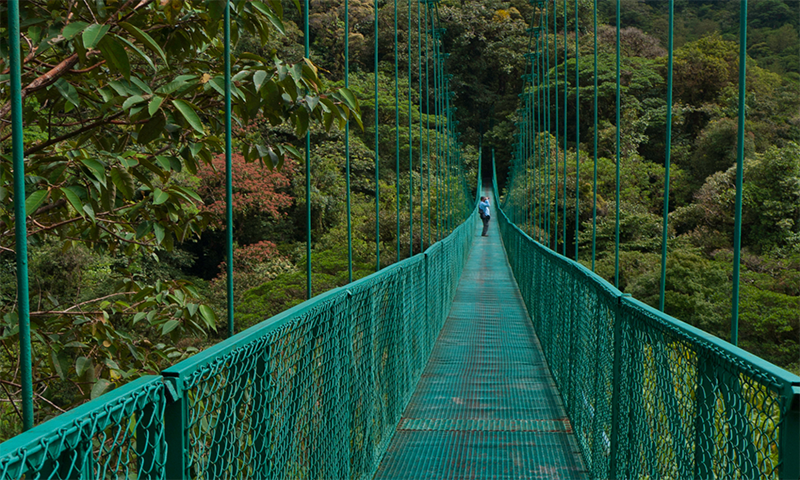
771 205
123 104
703 152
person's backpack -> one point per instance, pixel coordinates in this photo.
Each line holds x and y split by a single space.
480 212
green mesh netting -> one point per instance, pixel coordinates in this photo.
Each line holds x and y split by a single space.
120 435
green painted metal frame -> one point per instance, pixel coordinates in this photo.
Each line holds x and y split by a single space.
647 394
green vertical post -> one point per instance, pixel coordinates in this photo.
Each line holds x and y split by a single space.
20 215
616 221
544 144
347 142
577 135
789 457
535 143
377 164
428 120
228 164
448 127
410 149
667 159
437 96
480 167
537 158
438 111
557 124
566 99
421 163
616 385
528 157
594 183
524 157
306 39
535 117
547 118
737 231
176 433
396 133
539 129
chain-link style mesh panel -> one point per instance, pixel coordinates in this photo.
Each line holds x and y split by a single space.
317 391
649 396
573 315
119 435
689 407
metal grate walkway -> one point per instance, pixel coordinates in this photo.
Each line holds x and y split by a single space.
486 405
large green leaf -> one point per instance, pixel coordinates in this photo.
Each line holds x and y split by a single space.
176 84
131 101
301 123
187 110
274 19
154 105
34 200
188 194
143 37
159 196
277 7
73 29
93 34
348 98
68 91
82 365
97 168
152 129
73 200
100 388
208 316
258 79
170 326
136 49
159 232
124 181
115 55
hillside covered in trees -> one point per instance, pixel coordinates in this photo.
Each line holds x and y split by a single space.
126 190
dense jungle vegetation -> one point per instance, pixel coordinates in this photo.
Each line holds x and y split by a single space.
125 182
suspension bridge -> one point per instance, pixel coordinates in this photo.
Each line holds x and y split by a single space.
475 357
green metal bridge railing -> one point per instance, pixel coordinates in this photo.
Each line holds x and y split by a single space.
648 395
119 435
314 392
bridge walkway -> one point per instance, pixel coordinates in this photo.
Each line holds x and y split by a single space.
486 405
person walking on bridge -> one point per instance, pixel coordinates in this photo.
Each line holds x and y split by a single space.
485 213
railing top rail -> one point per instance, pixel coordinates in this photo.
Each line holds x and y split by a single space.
49 438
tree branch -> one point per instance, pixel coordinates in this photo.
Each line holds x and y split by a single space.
47 79
67 311
89 69
61 138
10 399
113 234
